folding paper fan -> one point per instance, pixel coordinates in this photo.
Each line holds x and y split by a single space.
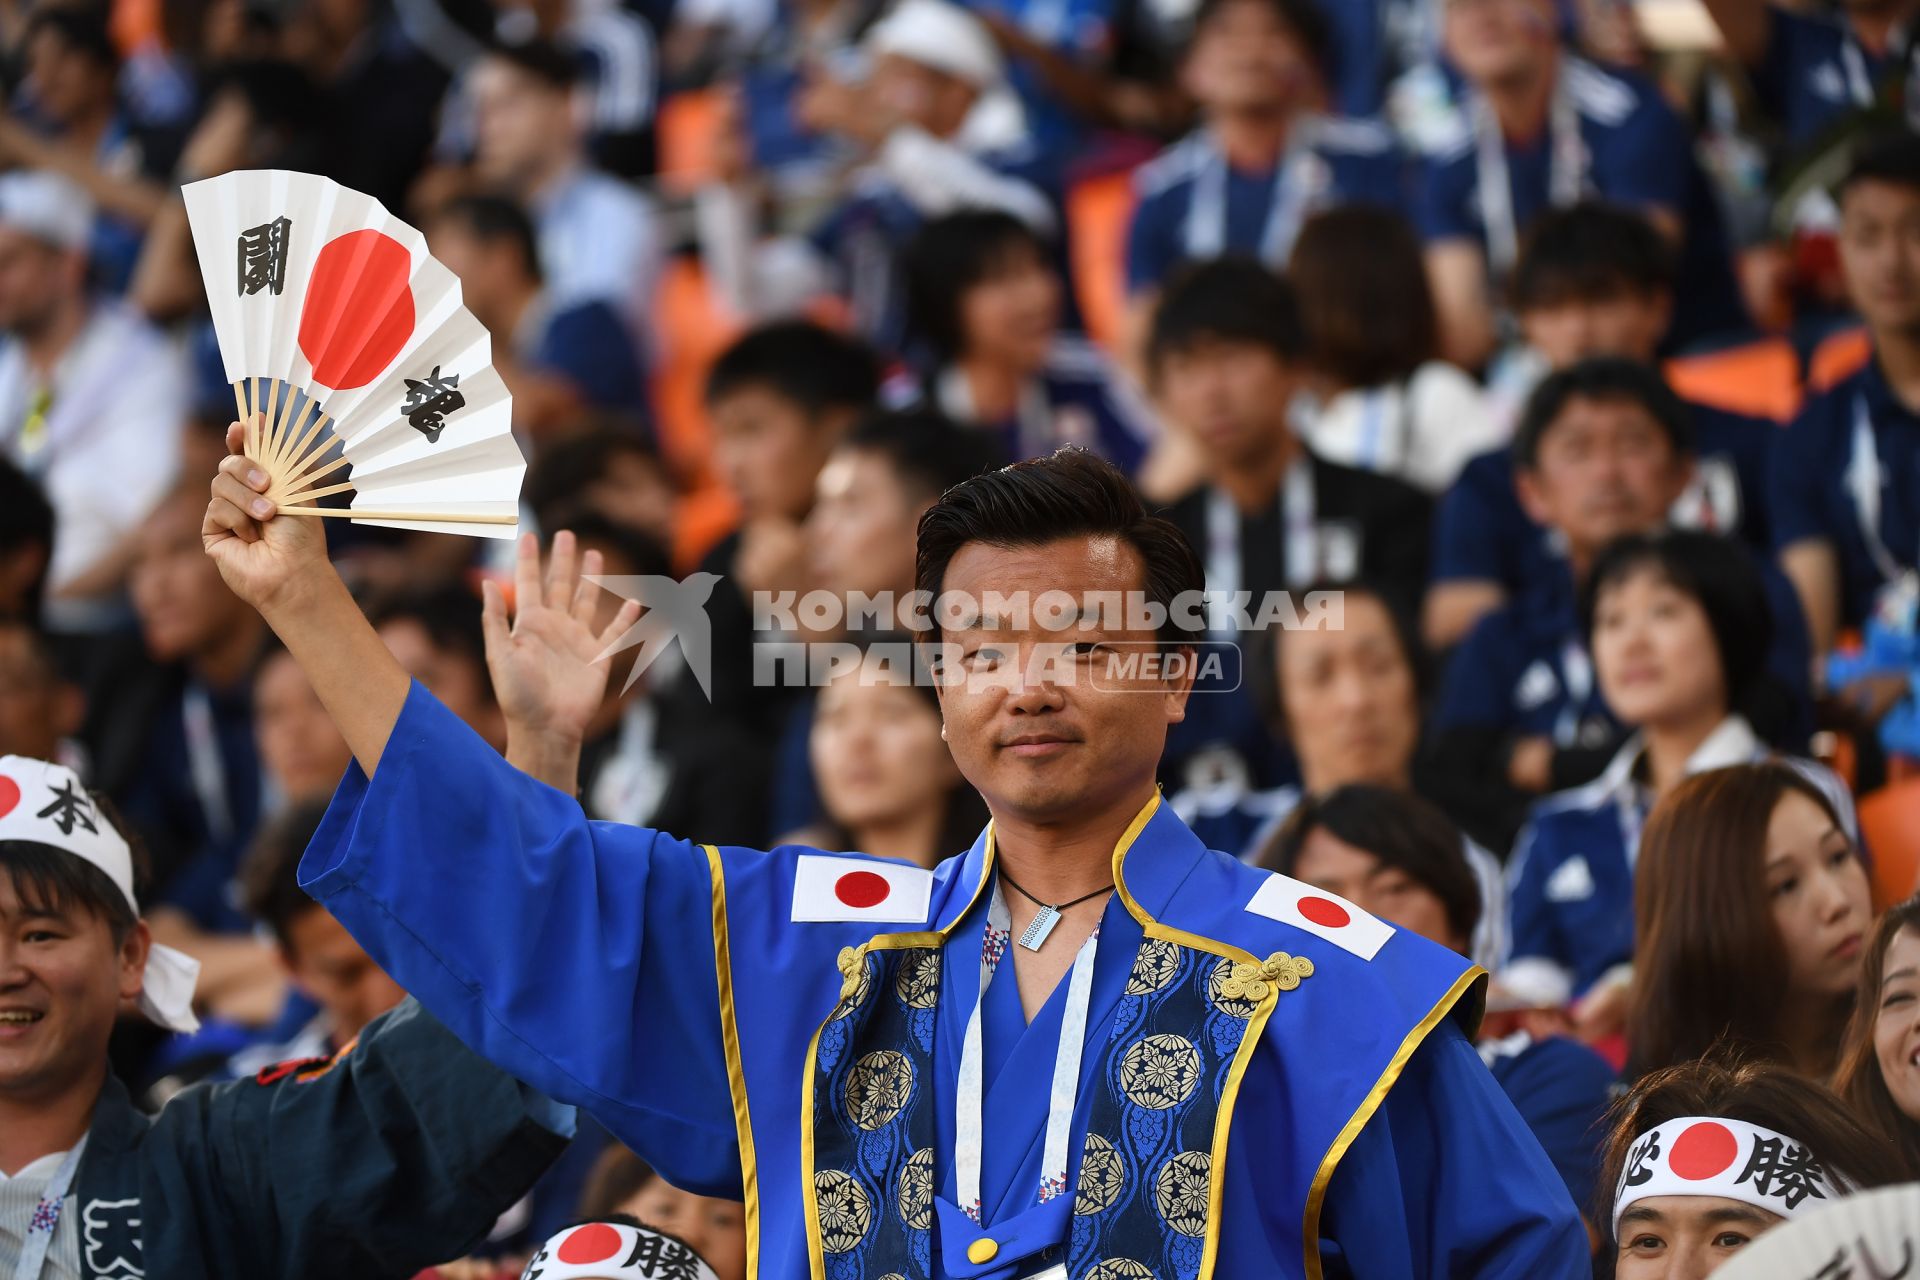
354 365
1869 1235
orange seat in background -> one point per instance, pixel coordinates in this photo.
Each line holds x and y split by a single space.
1890 824
1098 210
693 330
1760 379
1838 358
688 129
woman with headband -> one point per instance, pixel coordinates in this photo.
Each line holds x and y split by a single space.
1705 1156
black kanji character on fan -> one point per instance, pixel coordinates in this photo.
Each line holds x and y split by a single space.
70 806
430 400
263 257
1784 1169
1644 1153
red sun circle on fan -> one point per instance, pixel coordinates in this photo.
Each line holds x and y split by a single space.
9 795
358 312
595 1242
862 889
1703 1151
1325 912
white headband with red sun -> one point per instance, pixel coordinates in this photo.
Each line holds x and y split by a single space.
615 1251
43 803
1714 1156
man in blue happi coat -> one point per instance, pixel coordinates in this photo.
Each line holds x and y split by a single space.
1186 1067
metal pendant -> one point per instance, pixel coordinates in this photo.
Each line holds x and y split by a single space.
1039 927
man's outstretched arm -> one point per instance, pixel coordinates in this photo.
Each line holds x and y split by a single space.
543 665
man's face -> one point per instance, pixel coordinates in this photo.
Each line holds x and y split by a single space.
1232 396
769 451
916 94
1605 468
519 121
1685 1237
337 973
1630 323
1245 59
177 591
485 270
1495 40
37 708
1880 254
300 747
35 278
860 533
62 979
1352 710
63 82
1039 719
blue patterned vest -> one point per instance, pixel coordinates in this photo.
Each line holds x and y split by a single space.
1211 984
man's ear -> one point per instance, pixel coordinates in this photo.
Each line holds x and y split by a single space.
133 960
1180 688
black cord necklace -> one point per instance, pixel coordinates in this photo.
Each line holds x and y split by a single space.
1048 915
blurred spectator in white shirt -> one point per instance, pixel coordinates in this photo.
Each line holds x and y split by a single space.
598 236
92 398
1379 398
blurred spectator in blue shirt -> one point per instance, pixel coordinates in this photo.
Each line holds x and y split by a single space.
1846 480
1592 280
556 357
1537 129
1268 153
1814 66
985 300
598 240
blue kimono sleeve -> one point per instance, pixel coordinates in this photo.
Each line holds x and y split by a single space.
1561 1089
1446 1180
576 955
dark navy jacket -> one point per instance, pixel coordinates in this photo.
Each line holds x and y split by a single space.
384 1160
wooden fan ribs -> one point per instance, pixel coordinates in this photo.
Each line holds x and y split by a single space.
289 446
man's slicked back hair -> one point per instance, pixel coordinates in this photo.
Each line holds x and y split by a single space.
1069 494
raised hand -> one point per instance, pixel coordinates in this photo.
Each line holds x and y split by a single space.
543 664
264 561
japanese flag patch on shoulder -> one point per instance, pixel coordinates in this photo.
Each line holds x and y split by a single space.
828 888
1322 914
